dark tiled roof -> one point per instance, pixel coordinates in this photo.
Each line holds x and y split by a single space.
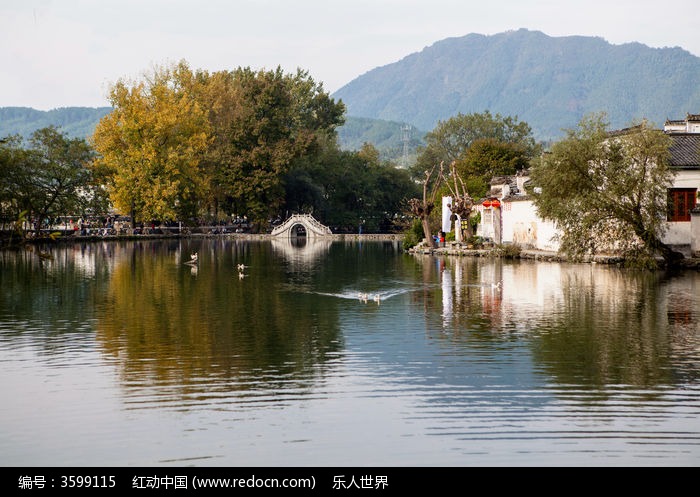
685 150
688 118
501 180
624 131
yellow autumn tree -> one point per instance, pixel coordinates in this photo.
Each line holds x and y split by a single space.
151 146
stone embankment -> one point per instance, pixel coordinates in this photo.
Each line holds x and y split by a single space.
461 250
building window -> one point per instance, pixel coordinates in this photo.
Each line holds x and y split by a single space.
680 202
487 217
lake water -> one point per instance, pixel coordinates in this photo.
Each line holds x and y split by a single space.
118 354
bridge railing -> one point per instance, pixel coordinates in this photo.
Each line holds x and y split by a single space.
315 222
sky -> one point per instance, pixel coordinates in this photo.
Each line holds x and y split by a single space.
67 53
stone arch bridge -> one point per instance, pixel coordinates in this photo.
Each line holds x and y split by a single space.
301 225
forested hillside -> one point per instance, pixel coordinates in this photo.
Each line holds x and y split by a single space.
388 137
76 122
80 122
546 81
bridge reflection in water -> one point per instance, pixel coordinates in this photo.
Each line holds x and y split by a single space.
302 251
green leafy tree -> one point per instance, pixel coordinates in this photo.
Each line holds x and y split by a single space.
383 188
13 161
315 185
393 186
262 122
608 191
451 139
50 178
347 190
487 158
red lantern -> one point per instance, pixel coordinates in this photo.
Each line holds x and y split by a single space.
495 204
486 203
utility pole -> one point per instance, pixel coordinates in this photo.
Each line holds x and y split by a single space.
405 138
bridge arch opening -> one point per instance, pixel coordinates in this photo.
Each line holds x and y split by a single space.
298 230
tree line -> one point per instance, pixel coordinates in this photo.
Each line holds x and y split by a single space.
182 145
188 145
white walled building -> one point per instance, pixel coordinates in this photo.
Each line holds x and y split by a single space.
515 219
691 124
683 225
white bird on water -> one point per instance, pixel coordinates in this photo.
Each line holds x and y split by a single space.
241 267
365 297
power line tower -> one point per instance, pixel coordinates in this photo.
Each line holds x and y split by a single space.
405 138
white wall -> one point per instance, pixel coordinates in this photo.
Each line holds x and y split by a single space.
695 234
522 226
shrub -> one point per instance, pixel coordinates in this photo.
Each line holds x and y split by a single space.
509 251
413 235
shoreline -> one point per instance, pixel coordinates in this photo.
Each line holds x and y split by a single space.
455 249
218 236
452 249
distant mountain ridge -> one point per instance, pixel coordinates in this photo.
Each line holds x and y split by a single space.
548 82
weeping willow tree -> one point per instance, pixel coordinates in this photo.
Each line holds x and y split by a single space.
607 191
